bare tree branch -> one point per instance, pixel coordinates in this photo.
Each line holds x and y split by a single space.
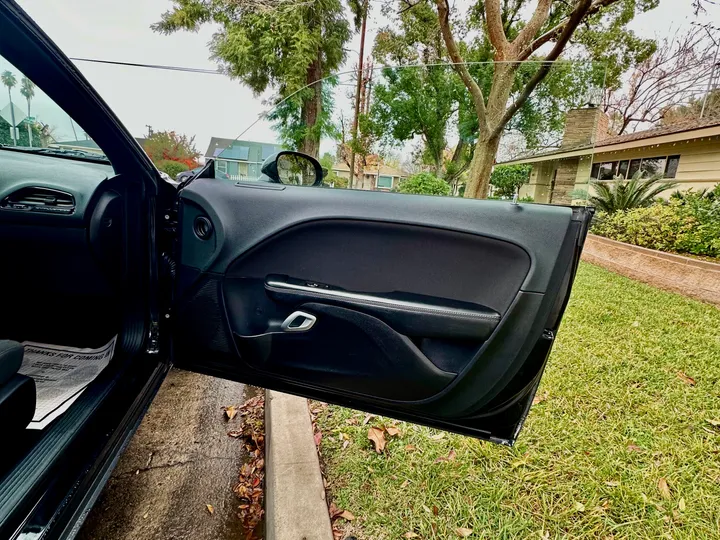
496 30
558 29
459 64
533 26
578 14
672 76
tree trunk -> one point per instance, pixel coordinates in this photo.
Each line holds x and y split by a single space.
478 182
311 110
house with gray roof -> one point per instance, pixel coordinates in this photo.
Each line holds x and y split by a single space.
239 160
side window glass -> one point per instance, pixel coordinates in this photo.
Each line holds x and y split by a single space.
32 122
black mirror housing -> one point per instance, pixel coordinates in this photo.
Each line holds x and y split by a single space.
274 167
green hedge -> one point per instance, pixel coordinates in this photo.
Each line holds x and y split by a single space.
687 224
425 184
171 167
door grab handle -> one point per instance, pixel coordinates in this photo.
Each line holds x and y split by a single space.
298 321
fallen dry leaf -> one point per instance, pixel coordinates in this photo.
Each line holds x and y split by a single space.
437 436
539 398
230 412
318 438
713 423
435 510
210 509
681 504
463 532
367 418
346 514
684 377
410 448
663 488
377 437
578 506
393 431
345 444
404 484
411 534
612 483
634 448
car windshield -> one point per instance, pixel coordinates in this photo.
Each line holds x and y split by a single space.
32 122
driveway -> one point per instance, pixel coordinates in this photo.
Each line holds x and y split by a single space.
179 461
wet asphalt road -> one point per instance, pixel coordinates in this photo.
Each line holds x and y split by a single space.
179 460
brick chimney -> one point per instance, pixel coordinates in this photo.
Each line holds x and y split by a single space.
588 125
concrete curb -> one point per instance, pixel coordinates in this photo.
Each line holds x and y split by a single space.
294 494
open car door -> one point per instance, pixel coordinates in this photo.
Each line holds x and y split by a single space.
435 310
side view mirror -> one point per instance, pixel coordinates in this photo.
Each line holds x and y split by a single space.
293 169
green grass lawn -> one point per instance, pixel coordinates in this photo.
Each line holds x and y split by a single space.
623 446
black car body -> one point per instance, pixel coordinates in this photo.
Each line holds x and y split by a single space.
222 278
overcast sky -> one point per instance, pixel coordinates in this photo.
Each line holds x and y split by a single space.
200 104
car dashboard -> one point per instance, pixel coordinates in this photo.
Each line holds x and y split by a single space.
61 235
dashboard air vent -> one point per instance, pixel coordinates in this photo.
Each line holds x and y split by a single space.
39 199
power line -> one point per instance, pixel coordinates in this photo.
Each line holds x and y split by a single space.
151 66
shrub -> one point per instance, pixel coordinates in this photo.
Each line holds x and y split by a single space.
424 184
508 178
690 224
621 195
172 168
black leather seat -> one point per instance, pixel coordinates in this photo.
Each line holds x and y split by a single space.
17 392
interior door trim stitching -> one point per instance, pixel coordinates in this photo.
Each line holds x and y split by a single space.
381 302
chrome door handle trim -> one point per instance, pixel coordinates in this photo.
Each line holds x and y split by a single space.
307 323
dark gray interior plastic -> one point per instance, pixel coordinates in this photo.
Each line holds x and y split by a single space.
427 307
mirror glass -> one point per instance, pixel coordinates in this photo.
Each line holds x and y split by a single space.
296 169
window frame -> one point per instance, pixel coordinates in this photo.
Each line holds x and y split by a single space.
377 181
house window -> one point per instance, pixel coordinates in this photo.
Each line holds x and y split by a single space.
628 168
384 182
221 166
672 166
634 168
652 166
623 168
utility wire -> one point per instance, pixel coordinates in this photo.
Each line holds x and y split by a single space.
151 66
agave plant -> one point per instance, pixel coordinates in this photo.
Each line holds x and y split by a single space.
638 192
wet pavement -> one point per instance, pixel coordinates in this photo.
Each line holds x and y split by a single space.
179 461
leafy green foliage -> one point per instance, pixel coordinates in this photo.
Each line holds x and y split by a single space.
687 224
284 47
22 139
417 101
620 195
292 128
331 178
507 179
171 146
424 184
172 168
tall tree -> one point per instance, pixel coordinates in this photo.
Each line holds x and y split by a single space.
9 80
171 146
282 45
552 24
672 76
27 90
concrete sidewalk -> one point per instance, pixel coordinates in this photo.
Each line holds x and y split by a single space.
179 460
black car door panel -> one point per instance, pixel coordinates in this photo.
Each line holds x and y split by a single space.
431 309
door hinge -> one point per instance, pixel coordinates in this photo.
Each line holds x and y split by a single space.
153 346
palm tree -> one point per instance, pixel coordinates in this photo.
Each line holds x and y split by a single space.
9 80
620 195
27 89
